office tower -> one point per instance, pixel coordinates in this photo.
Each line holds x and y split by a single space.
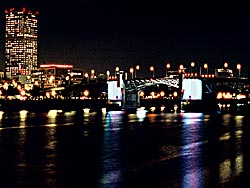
21 36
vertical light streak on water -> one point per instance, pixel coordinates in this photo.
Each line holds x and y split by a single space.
193 173
51 118
230 168
69 116
141 114
111 163
86 116
49 166
1 117
226 119
23 116
233 165
21 145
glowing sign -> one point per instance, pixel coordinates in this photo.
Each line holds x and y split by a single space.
55 66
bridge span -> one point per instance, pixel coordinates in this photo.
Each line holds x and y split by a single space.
183 90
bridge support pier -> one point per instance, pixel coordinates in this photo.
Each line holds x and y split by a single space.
131 100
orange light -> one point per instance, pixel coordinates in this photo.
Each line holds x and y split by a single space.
86 93
22 92
53 93
227 95
162 93
219 95
131 70
141 93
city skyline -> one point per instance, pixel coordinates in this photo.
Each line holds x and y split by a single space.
103 36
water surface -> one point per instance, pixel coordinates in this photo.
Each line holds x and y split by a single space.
115 149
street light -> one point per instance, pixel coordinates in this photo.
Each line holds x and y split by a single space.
225 65
117 69
136 69
108 74
86 75
206 67
181 68
167 67
153 71
131 70
239 68
192 65
92 73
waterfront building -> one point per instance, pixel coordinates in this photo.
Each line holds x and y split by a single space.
21 37
53 75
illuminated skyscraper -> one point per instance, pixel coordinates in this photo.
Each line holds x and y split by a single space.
21 54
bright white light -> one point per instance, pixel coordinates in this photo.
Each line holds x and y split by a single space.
52 113
23 114
192 89
86 110
104 110
114 91
141 114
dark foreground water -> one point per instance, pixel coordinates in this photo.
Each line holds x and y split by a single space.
115 149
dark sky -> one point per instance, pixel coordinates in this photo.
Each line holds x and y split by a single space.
104 34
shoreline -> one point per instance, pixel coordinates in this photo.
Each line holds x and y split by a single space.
207 107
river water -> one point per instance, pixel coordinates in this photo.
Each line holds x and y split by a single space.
116 150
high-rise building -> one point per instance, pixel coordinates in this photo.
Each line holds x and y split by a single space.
21 37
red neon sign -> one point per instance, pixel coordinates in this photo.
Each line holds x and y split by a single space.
56 66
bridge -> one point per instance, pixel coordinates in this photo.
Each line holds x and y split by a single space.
185 87
138 85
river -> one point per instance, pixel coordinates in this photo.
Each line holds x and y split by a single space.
116 149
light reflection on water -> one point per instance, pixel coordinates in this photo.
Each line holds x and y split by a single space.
193 172
111 163
120 149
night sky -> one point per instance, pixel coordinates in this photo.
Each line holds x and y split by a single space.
105 34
